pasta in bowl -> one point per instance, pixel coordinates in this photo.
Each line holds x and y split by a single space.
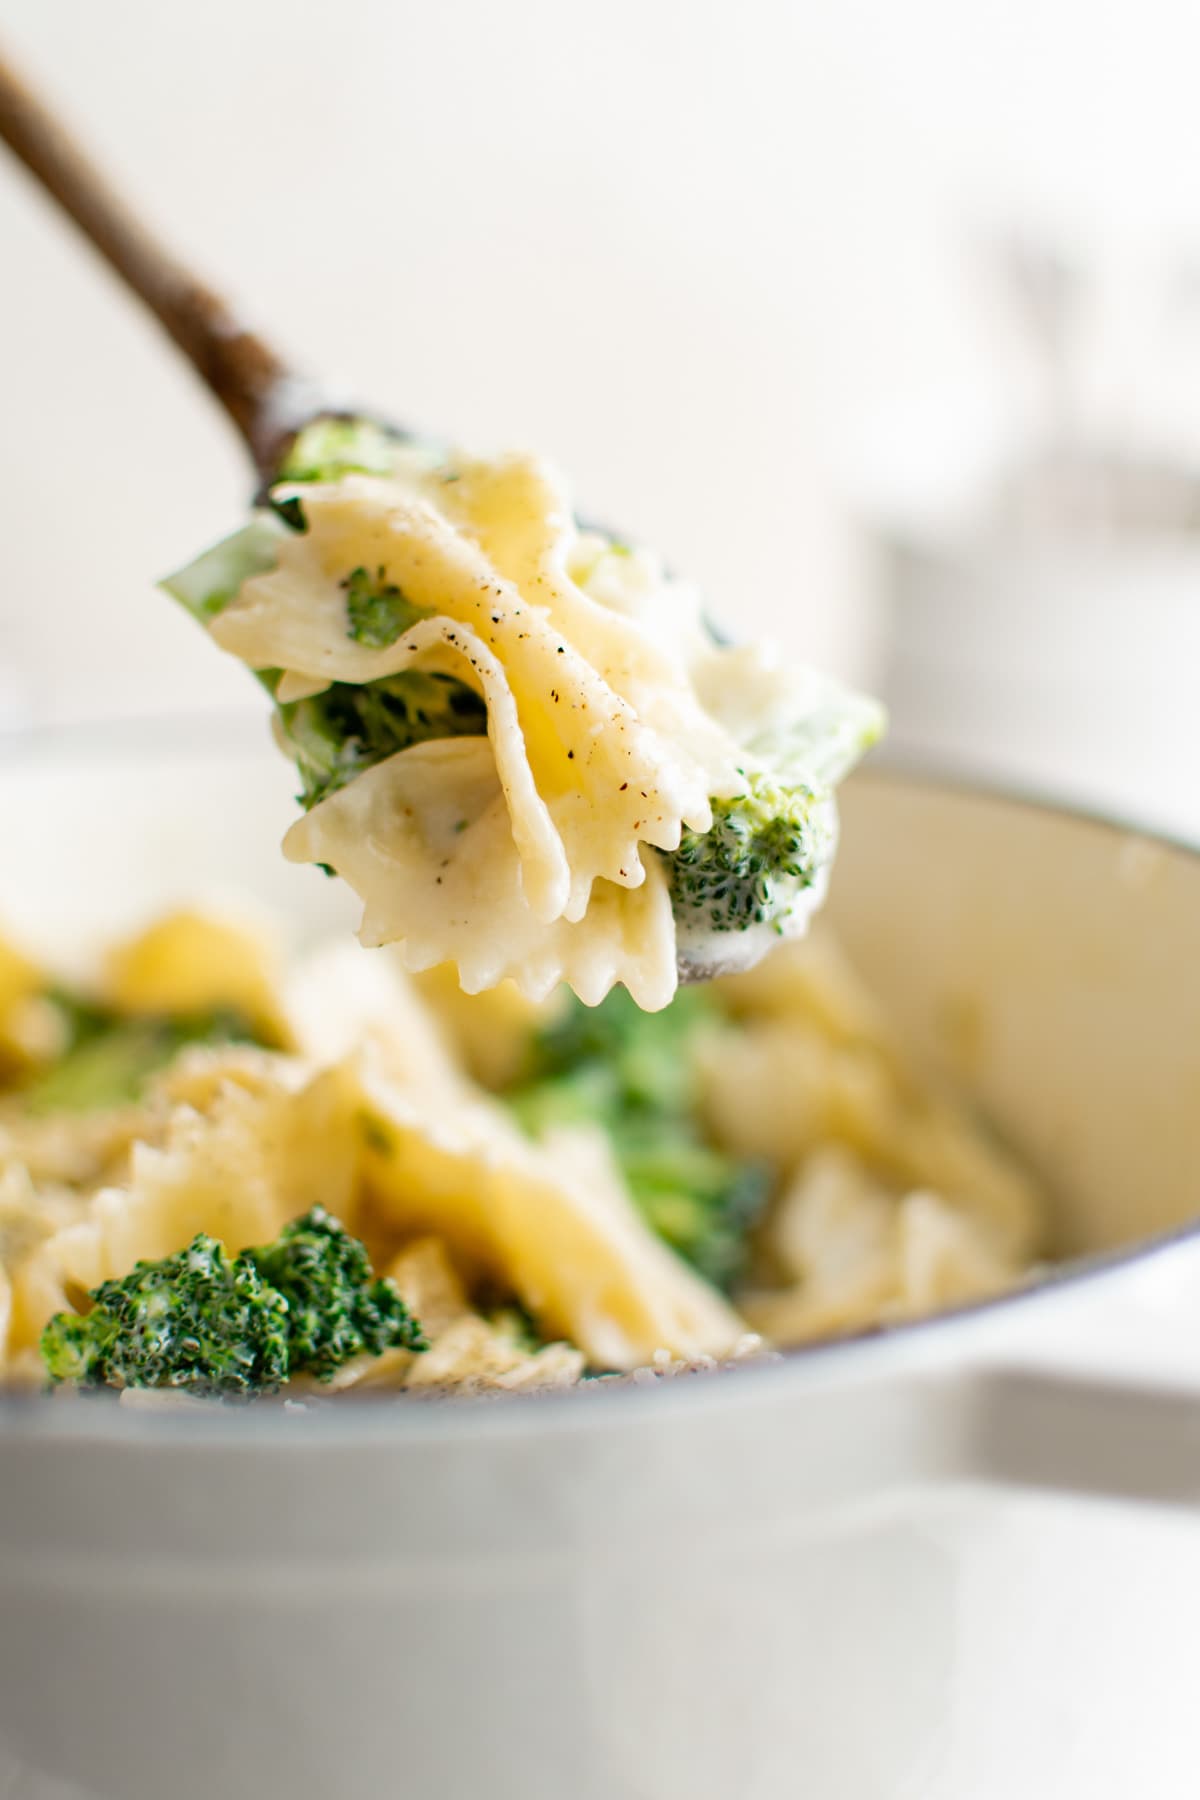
528 1195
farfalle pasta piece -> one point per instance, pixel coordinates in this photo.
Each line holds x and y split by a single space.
431 826
857 1255
257 1157
789 1089
554 1225
519 512
815 1064
619 781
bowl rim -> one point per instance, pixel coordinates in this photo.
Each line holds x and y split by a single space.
902 1346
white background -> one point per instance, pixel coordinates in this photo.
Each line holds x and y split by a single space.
705 254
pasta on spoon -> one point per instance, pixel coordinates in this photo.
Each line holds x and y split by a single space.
517 740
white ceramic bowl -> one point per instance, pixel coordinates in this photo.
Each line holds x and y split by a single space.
909 1566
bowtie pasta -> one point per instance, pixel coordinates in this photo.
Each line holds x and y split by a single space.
517 740
222 1174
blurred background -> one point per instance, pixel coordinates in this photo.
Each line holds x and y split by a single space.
883 321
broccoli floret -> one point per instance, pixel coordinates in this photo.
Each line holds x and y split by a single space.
109 1056
377 612
337 734
336 1309
197 1320
211 1324
764 848
330 448
699 1200
635 1075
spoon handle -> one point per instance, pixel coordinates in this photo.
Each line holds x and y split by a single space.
261 395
